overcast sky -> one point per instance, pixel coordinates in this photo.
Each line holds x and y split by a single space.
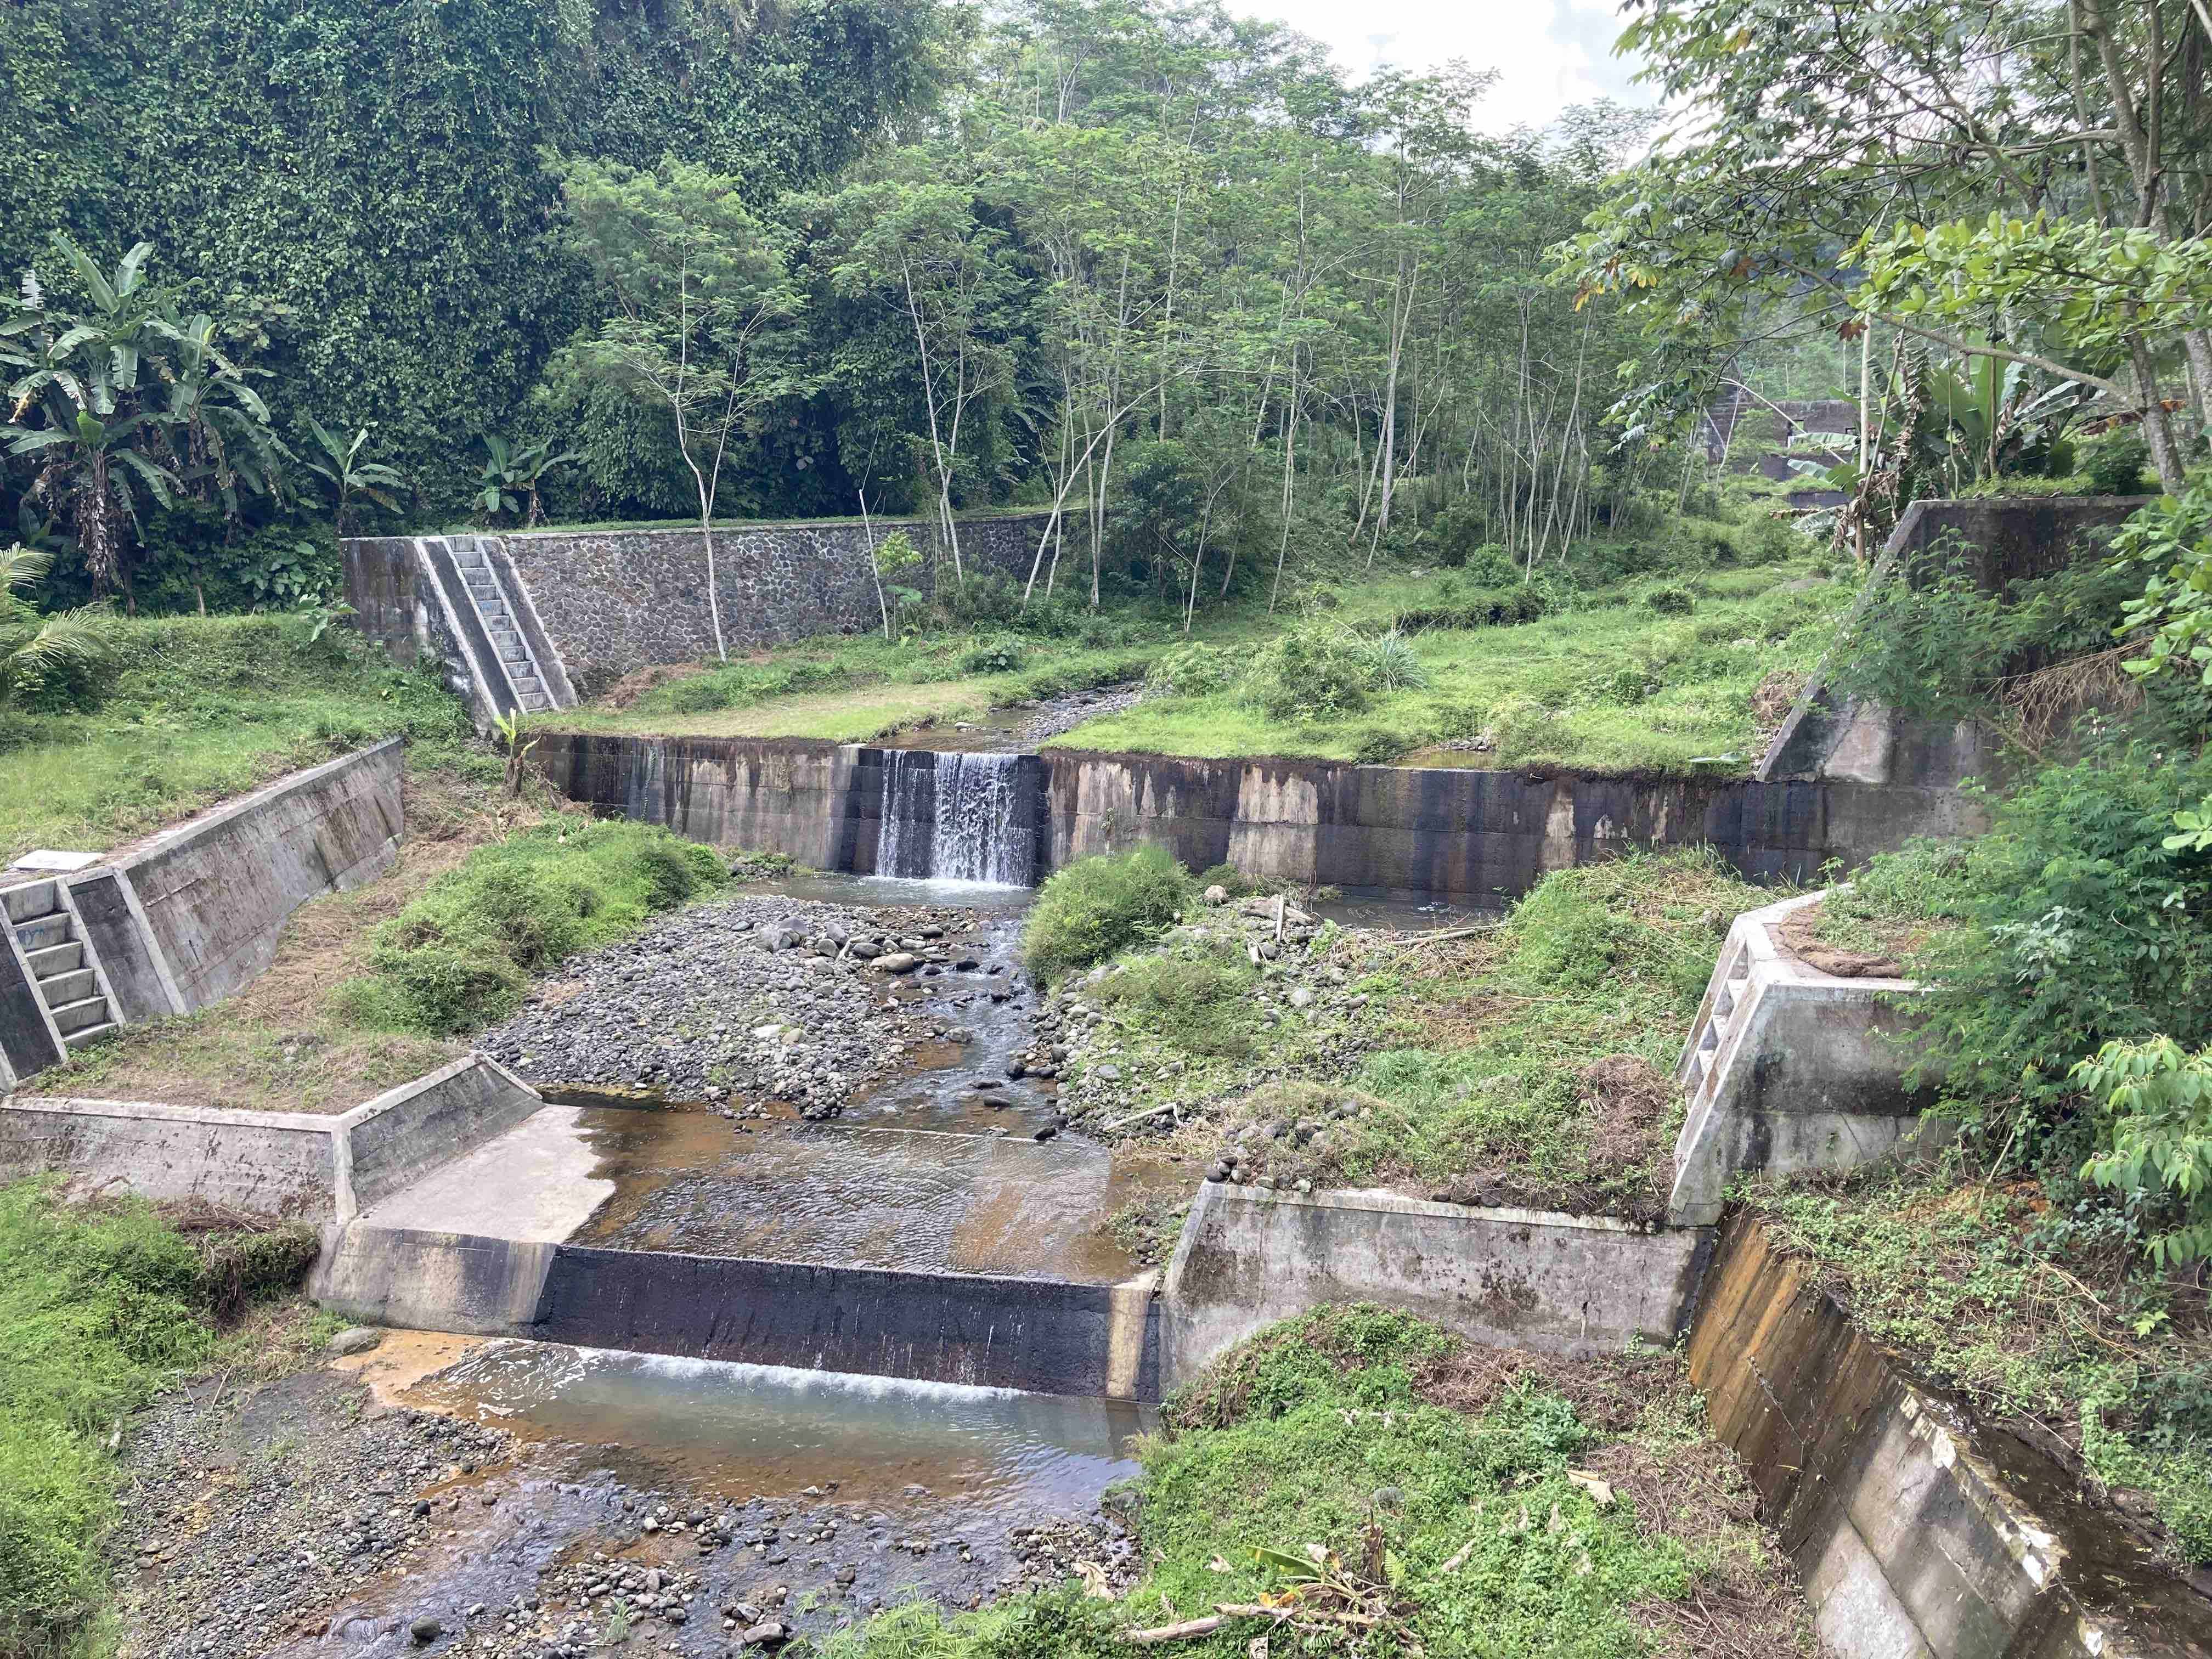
1549 53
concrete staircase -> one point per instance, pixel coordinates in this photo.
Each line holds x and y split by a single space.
494 607
1707 1054
61 962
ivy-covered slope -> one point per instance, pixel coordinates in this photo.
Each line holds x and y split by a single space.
369 177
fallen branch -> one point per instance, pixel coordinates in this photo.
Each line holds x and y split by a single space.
1437 938
1222 1614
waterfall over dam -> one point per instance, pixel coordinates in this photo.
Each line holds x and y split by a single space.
959 817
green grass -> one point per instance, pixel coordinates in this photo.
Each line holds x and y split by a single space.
100 1306
1603 681
461 954
1616 686
196 709
1097 906
2045 1320
1437 1485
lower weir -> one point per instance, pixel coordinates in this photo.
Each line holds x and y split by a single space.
1405 830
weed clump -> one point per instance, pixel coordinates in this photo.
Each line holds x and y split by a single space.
461 954
1195 1001
1098 907
98 1304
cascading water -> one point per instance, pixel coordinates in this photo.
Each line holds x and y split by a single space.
958 817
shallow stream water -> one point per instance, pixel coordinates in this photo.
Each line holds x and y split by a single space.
743 1431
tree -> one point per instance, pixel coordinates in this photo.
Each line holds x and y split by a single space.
700 286
81 380
911 236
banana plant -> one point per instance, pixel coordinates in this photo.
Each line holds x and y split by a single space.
33 646
339 465
74 403
511 477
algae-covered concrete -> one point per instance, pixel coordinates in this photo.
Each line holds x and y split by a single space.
1513 1278
1403 830
1910 1540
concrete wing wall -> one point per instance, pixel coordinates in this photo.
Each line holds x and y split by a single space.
285 1163
217 891
1515 1279
1790 1071
1909 1539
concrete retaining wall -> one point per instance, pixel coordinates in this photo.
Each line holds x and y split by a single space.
1405 830
1911 1542
282 1164
1522 1278
609 601
1791 1070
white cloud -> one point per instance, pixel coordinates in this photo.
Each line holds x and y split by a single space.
1547 56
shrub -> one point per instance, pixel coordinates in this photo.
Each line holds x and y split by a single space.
1390 663
998 655
1191 671
1312 671
1097 906
1198 1002
2082 928
1378 746
1673 600
461 954
2112 463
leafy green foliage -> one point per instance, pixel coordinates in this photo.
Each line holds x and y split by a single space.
1320 1453
460 954
2156 1100
1197 1001
1097 906
2081 928
99 1304
2173 536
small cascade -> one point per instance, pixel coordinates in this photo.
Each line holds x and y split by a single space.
958 817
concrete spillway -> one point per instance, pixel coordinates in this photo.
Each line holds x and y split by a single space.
958 817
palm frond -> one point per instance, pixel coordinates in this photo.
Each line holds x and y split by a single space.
23 567
84 637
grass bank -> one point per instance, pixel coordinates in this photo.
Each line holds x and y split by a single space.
101 1305
195 709
1356 1471
1672 673
1527 1063
369 989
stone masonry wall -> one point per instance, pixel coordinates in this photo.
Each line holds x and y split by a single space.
614 601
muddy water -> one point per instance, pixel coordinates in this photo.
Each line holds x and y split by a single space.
937 1169
742 1431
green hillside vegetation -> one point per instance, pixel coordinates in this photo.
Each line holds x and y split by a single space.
100 1306
191 710
1670 674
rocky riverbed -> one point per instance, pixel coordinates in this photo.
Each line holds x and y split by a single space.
307 1517
758 998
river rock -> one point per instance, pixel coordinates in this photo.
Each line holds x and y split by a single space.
767 1633
355 1339
1216 894
897 962
426 1630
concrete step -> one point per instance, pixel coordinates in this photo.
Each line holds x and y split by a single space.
52 929
55 959
77 1039
77 1016
61 989
33 898
513 650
